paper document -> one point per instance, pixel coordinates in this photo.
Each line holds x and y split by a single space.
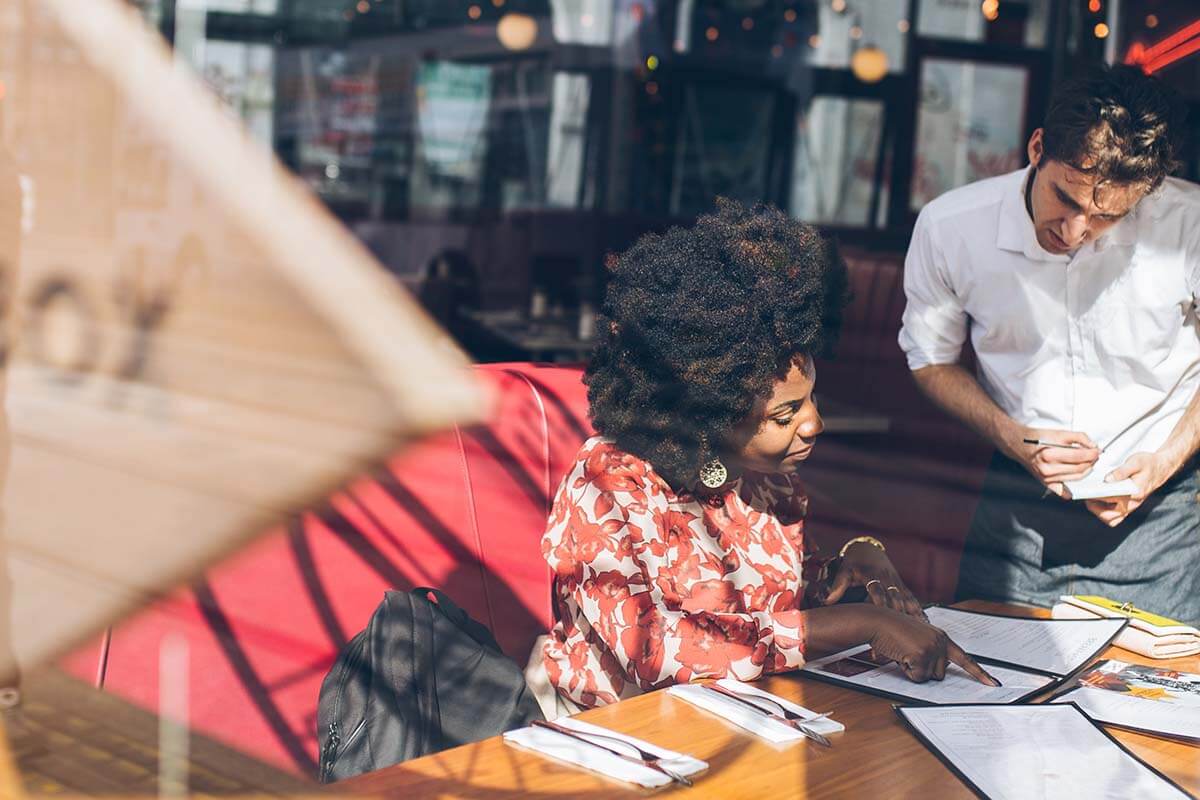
1042 751
1090 488
852 667
1149 699
1054 647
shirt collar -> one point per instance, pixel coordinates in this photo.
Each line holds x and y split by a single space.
1015 231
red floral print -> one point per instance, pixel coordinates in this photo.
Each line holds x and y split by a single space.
654 588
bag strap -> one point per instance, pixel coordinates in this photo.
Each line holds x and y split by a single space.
453 612
450 608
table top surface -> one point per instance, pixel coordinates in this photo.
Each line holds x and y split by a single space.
875 757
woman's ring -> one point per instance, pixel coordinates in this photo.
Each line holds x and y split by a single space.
873 580
890 588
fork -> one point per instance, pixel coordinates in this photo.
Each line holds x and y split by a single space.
786 717
646 759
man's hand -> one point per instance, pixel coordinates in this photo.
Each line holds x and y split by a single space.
1148 470
1068 456
866 565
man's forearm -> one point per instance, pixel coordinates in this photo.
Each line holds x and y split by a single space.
956 391
1184 440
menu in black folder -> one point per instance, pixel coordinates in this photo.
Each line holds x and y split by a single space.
1051 752
1153 700
1027 656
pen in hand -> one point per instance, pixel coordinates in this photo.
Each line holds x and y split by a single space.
1044 443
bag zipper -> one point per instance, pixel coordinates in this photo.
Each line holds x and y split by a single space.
330 750
331 747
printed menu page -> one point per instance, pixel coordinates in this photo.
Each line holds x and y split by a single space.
1055 647
855 667
1150 699
1043 751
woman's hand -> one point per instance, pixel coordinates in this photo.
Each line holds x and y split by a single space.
868 566
921 650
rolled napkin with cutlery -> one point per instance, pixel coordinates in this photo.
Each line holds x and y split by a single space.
1147 633
758 711
607 752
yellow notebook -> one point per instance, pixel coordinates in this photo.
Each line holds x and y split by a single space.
1150 634
1128 610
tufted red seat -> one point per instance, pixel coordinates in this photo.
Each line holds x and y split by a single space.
462 511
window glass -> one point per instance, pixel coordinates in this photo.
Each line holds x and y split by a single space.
844 28
723 147
452 111
1017 22
970 125
568 141
836 154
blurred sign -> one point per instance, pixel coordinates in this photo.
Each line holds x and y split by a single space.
452 107
197 347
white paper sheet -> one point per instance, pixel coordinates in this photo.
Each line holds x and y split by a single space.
747 719
1091 488
957 687
1055 646
1036 751
572 751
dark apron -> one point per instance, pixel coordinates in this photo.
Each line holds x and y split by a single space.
1028 548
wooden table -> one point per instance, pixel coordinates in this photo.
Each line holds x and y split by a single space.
875 758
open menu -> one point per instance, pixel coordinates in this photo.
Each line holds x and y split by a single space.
1027 656
1154 700
1044 751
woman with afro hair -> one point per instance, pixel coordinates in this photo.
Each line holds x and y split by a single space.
677 538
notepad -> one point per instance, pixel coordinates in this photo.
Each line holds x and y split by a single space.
1090 489
1028 656
1051 752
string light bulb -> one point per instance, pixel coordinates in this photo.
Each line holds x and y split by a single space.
517 31
869 64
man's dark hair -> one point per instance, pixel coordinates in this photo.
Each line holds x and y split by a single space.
697 325
1116 123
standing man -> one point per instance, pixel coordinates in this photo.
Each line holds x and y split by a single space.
1077 280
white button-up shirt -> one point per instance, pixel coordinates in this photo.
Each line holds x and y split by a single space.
1103 341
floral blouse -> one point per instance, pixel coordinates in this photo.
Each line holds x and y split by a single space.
654 588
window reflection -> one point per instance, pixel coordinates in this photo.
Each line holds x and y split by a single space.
1016 22
970 125
837 153
723 147
878 23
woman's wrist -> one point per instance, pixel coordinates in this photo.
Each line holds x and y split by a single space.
864 540
832 628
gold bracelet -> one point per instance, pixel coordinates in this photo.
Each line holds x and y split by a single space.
871 540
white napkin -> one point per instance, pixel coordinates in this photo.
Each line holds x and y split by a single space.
743 717
565 748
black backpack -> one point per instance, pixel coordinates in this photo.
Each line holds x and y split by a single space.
422 677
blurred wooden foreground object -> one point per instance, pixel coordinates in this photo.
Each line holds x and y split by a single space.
197 348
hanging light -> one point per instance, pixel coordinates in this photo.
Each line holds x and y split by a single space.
869 64
517 31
